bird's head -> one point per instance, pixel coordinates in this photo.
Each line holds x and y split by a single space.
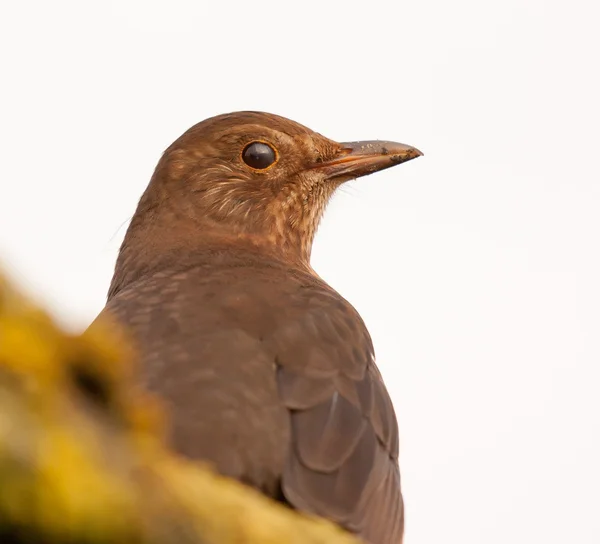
258 177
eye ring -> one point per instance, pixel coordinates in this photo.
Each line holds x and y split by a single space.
259 155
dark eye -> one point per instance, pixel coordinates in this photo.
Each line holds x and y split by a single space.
259 155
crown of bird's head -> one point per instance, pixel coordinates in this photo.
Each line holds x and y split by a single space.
252 176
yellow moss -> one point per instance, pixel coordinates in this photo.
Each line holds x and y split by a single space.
82 457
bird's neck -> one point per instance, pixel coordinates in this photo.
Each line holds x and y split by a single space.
163 240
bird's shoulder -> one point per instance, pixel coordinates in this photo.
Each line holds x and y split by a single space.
242 286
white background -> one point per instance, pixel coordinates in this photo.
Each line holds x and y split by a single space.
476 267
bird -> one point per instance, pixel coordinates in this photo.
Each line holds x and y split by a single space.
267 373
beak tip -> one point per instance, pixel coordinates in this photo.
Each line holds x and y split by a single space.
417 152
408 155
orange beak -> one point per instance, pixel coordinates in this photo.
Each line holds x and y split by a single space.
358 159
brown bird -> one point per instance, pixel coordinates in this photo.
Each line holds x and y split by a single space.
267 371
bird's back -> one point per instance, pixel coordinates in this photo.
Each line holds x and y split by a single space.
269 374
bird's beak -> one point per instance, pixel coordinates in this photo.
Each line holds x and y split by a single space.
358 159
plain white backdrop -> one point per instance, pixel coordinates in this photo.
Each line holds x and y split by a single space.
476 267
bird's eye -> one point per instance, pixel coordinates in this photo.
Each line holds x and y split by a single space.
259 155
